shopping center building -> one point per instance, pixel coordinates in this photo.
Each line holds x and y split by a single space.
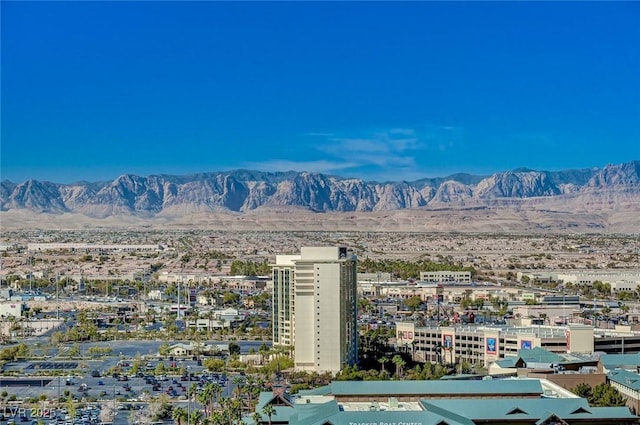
498 402
485 344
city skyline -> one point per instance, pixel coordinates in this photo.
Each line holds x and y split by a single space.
378 91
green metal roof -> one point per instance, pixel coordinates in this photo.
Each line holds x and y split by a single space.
611 361
283 413
507 362
308 413
539 355
452 411
626 378
464 412
436 387
527 409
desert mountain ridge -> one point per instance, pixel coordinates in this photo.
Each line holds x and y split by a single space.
588 200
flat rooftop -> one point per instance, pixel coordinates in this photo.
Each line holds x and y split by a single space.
379 406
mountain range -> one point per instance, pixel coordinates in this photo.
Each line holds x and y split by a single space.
594 190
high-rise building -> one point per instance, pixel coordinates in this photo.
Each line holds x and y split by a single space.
315 307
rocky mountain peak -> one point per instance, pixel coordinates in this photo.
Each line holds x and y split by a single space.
246 190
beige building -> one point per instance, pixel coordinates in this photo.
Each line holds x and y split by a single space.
487 344
620 280
446 276
11 309
314 307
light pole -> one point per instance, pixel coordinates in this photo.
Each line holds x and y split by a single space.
30 274
189 400
179 290
58 297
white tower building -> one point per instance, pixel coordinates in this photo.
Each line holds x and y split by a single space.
315 307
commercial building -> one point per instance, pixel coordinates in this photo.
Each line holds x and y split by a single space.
448 291
314 307
619 280
622 373
217 319
446 276
498 402
11 309
487 344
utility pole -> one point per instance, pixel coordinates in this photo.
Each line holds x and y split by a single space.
179 290
189 400
57 297
30 274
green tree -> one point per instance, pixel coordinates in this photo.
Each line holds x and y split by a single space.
364 305
400 363
214 365
160 368
164 349
413 303
234 348
268 410
382 360
606 395
257 418
74 350
583 390
196 417
179 414
230 298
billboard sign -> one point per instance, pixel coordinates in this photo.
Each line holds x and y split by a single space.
447 341
492 345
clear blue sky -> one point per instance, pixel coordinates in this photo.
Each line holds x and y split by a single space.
381 91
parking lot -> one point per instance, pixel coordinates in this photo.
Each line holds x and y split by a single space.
96 384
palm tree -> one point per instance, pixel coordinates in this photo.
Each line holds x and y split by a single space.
257 418
235 410
204 397
217 418
179 414
400 363
253 388
269 411
196 417
210 317
264 353
382 361
238 381
217 391
210 392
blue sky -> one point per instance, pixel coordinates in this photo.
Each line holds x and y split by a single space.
380 91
